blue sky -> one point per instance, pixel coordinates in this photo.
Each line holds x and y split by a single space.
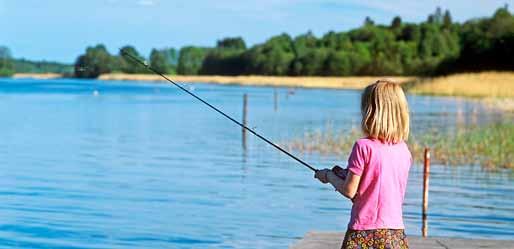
60 30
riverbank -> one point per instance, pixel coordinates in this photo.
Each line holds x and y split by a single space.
497 85
357 82
475 85
494 88
333 240
37 76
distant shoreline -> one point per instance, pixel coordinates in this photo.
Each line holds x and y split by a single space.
472 85
350 82
356 82
41 76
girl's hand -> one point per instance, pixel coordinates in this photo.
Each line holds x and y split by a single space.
321 175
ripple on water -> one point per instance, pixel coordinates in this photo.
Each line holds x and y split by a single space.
138 167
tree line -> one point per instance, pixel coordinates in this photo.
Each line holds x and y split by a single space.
9 65
435 46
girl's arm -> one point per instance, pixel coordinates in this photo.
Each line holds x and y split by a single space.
347 187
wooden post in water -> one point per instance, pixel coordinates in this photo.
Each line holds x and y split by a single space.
426 175
245 104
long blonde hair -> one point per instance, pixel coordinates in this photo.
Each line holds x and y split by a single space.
385 112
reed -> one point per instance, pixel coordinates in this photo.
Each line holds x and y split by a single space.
489 146
476 85
356 82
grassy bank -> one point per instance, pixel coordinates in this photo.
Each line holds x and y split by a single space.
485 85
493 88
475 85
489 146
357 82
37 75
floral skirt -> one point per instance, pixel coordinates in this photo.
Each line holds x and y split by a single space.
375 239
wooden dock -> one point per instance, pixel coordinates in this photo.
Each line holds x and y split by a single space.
333 240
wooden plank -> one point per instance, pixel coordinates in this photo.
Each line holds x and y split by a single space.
333 240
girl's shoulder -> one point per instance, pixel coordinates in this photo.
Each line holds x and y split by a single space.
364 145
364 140
371 143
367 142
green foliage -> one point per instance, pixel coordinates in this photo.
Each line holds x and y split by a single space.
6 63
164 60
232 43
128 65
274 57
436 46
396 23
27 66
161 60
226 58
191 59
94 62
485 44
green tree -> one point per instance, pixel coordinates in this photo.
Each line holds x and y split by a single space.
336 41
94 62
311 63
360 57
396 23
232 43
337 63
368 21
435 46
127 65
274 57
226 58
447 20
6 62
191 59
159 61
486 44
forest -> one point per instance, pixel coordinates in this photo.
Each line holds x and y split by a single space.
9 65
435 46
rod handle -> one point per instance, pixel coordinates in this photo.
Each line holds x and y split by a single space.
340 172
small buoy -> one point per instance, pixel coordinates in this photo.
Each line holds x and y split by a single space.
96 93
191 88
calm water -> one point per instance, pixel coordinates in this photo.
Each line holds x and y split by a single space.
91 164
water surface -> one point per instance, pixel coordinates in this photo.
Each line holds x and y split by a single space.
93 164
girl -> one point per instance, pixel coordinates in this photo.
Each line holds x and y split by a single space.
377 170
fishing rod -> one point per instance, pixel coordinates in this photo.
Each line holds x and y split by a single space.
216 109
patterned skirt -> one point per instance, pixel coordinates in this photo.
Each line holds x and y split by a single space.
376 239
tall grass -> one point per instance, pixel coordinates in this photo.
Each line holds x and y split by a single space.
356 82
490 146
477 85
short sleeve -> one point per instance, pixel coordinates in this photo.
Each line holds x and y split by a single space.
358 158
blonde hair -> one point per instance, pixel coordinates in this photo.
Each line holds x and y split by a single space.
385 112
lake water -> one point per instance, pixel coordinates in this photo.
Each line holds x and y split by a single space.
92 164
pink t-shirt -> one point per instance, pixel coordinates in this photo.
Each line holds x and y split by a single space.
384 169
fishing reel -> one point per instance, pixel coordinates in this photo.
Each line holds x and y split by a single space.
340 172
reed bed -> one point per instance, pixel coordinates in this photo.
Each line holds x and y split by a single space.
357 82
475 85
489 146
37 75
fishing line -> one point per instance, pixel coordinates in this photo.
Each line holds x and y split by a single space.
216 109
